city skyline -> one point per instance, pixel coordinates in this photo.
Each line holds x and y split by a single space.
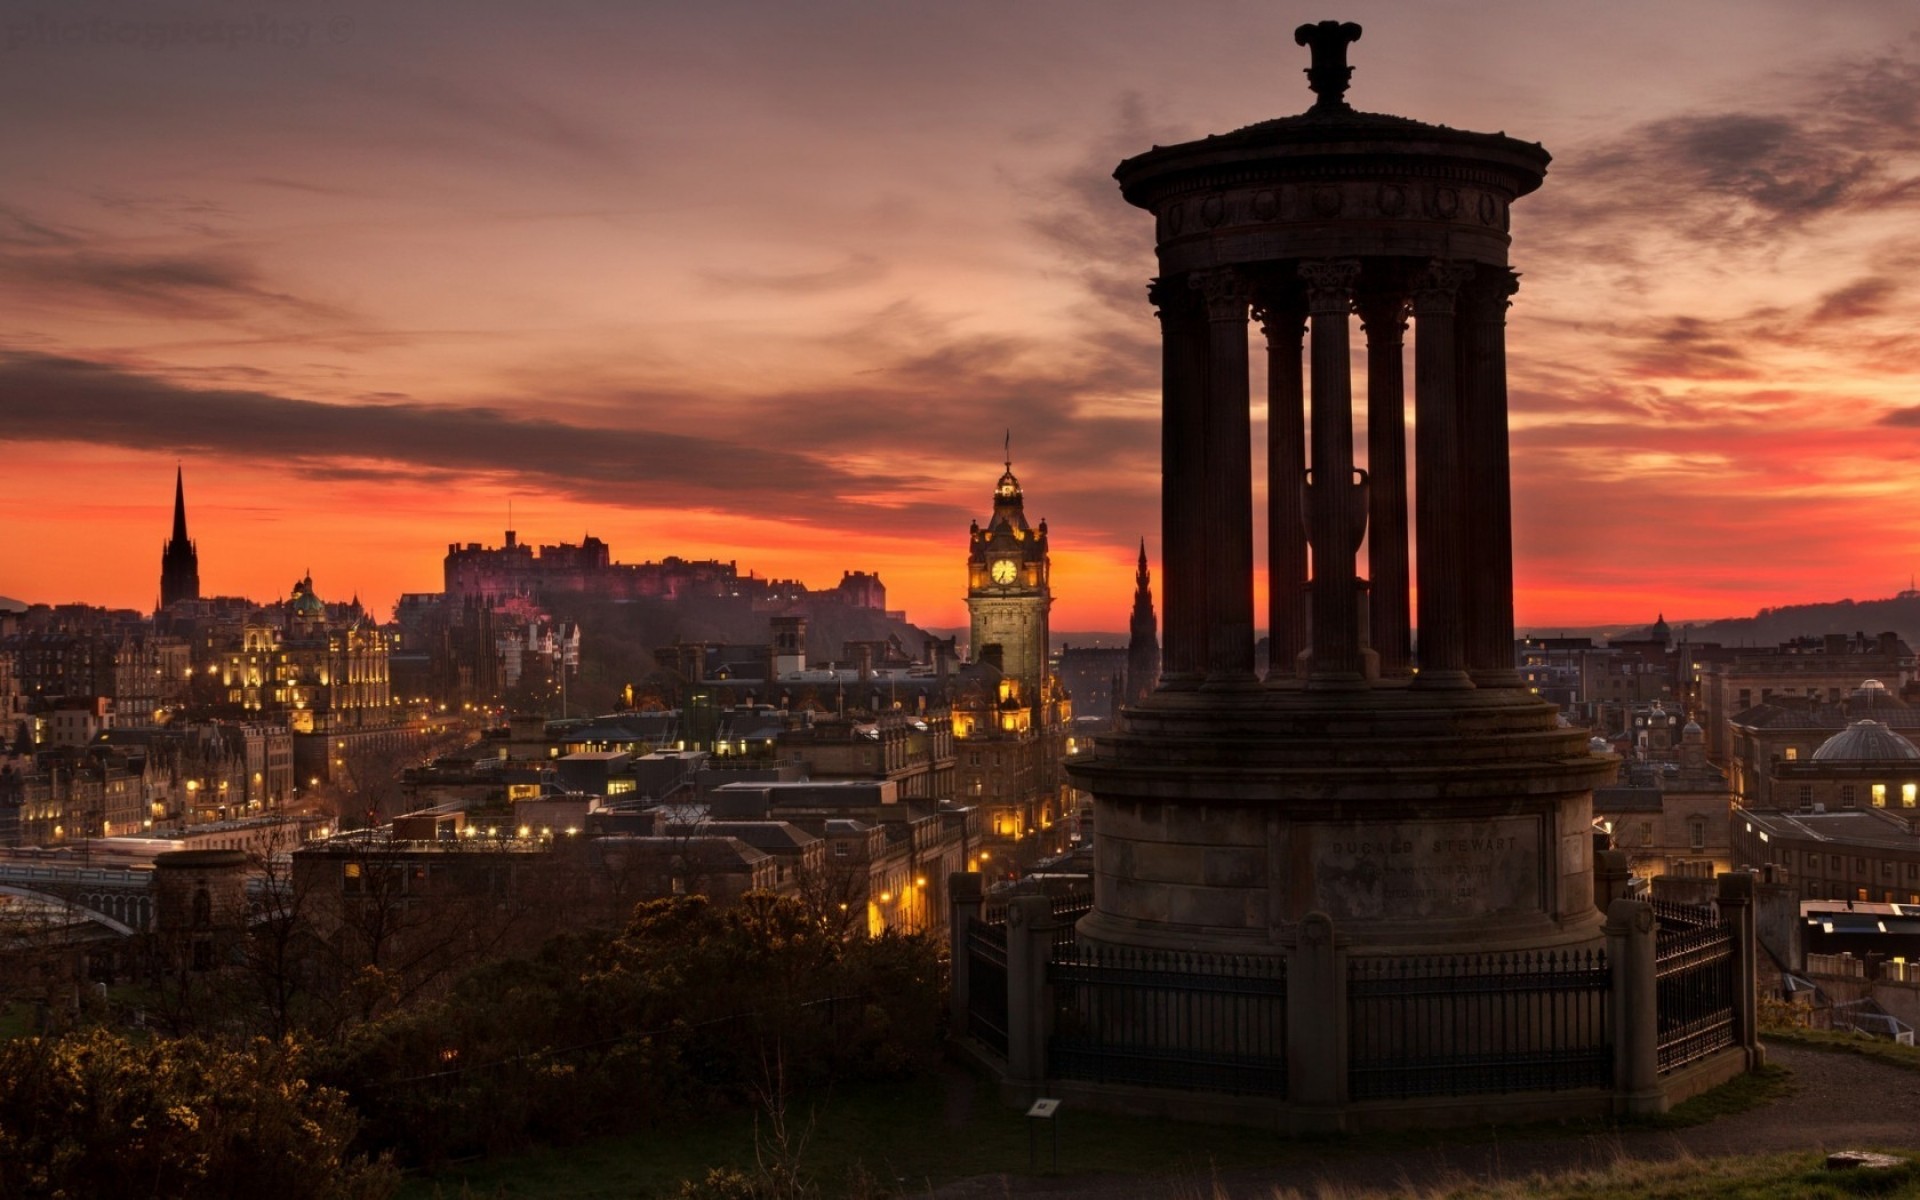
757 284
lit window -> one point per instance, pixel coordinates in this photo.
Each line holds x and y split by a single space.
1908 794
1793 753
1879 795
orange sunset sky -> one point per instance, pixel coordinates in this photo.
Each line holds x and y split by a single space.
768 282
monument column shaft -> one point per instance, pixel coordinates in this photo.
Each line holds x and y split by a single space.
1227 486
1384 317
1285 326
1183 532
1483 369
1336 517
1439 499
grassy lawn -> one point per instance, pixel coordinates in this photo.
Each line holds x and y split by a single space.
904 1138
1775 1177
1879 1049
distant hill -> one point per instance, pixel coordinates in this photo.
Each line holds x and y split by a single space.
1771 626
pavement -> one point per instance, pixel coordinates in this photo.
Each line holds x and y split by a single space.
1838 1101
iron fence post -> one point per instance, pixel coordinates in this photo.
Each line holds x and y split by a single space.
1030 924
1636 1017
1735 898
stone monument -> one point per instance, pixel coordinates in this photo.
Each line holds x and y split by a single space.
1418 796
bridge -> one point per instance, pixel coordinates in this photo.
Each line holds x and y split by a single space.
119 898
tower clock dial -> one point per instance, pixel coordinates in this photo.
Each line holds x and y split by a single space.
1004 569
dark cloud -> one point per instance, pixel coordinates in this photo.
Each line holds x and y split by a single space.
1834 140
1105 242
18 229
1865 297
75 268
45 398
1902 418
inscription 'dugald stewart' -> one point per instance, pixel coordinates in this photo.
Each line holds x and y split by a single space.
1371 870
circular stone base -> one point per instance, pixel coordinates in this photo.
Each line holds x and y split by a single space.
1439 821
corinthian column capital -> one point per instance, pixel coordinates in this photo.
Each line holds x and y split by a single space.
1382 312
1436 286
1226 293
1490 294
1282 319
1330 283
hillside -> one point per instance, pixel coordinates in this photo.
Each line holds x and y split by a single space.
1771 626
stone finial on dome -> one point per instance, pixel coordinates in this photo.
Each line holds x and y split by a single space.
1329 74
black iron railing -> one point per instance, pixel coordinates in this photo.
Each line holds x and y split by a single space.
1675 916
1209 1022
1066 910
986 952
1694 973
1472 1024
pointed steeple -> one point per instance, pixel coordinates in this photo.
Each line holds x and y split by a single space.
179 504
1143 647
180 560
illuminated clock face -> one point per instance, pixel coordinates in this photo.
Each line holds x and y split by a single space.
1004 570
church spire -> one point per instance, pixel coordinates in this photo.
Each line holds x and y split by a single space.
179 504
180 561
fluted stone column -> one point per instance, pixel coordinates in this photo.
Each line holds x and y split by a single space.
1483 372
1439 498
1336 513
1383 314
1227 488
1284 323
1183 375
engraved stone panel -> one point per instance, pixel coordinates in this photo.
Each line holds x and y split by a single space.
1413 870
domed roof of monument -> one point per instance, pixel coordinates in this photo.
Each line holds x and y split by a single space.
1334 131
1866 741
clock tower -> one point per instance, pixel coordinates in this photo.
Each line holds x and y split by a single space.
1008 592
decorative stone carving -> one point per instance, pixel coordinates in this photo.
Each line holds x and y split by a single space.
1392 199
1213 210
1327 201
1330 283
1435 287
1226 293
1489 209
1444 203
1266 206
1283 324
1329 73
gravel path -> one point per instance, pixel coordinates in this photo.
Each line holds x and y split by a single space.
1838 1101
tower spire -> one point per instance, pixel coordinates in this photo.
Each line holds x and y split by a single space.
179 504
180 560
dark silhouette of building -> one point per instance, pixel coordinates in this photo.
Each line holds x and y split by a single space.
180 561
1143 648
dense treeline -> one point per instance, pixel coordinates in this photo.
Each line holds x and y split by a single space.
687 1011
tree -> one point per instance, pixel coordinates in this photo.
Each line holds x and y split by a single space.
94 1114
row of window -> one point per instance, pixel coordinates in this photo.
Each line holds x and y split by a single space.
1879 793
1860 866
